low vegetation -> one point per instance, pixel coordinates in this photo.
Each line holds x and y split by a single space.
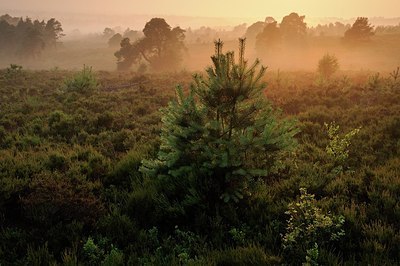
227 173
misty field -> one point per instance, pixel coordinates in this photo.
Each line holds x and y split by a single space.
193 152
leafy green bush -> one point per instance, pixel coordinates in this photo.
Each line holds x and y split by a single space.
92 253
338 146
308 228
114 258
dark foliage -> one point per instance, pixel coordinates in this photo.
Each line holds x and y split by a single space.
360 31
28 38
161 47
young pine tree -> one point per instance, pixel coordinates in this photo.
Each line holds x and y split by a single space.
221 138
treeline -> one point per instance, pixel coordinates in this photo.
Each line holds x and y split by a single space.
206 34
162 47
381 30
293 32
26 37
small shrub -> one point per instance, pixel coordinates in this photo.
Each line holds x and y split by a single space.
13 72
308 227
114 258
186 244
61 125
327 66
338 146
238 236
92 253
375 82
97 166
83 81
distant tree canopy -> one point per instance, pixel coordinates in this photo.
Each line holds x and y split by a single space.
331 29
161 47
360 31
9 19
269 38
291 31
28 38
387 30
52 32
115 40
114 37
133 35
254 29
108 32
293 27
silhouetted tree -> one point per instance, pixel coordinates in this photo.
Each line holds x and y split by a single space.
269 20
269 38
360 31
127 55
161 47
9 19
7 36
108 32
254 29
32 43
28 38
53 31
293 28
115 40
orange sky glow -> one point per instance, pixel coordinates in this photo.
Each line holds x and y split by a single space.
212 8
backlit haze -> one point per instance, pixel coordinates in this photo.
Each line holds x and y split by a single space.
84 21
211 8
195 13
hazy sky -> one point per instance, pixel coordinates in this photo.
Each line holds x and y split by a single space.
213 8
